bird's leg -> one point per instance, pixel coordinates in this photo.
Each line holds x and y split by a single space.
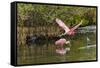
62 34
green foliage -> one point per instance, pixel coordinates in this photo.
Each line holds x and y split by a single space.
44 15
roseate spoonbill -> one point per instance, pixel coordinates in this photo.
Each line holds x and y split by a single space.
61 42
62 51
68 31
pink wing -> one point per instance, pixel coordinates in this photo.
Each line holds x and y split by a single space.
75 27
62 25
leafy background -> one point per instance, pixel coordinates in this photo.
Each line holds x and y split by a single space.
43 15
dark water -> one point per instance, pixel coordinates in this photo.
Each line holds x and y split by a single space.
45 50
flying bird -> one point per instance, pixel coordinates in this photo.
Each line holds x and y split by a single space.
67 30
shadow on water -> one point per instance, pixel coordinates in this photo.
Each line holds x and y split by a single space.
42 50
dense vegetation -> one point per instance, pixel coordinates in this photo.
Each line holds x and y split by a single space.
44 15
39 20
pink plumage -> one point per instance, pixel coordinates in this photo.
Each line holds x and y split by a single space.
61 42
67 30
62 25
62 51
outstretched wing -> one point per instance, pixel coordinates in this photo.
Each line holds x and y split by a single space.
75 27
62 25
